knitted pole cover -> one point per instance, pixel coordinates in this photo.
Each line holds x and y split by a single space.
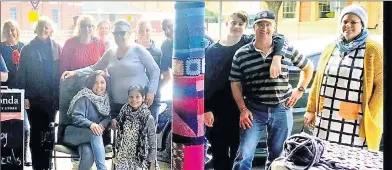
188 100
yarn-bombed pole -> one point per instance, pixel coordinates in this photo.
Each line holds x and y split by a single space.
188 86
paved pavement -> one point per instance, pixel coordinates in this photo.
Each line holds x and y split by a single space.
257 164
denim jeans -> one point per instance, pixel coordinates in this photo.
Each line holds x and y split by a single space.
154 109
27 151
26 122
278 119
94 150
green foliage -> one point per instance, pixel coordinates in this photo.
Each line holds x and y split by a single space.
330 14
211 17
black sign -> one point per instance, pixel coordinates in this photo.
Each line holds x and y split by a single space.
12 144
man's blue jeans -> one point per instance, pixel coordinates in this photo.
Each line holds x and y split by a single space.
278 119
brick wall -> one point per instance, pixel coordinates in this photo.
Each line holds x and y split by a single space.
67 11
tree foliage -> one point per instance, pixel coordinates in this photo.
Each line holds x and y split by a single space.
275 7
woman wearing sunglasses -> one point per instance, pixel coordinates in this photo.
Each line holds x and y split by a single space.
126 65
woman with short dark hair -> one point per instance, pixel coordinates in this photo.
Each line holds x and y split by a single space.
90 110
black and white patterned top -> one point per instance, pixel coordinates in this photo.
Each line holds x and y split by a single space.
340 99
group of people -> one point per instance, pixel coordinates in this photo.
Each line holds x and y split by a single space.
121 91
247 89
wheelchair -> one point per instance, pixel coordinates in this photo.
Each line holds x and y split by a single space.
68 89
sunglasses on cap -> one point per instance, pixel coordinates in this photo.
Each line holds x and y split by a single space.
119 33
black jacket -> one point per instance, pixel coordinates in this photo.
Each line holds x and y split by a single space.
31 75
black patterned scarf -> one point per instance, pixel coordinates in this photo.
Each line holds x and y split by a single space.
101 103
132 141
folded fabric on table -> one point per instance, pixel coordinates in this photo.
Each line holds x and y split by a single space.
303 151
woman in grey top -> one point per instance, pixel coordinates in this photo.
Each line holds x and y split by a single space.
126 65
90 108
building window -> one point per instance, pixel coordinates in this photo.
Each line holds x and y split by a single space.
289 9
13 14
325 10
55 15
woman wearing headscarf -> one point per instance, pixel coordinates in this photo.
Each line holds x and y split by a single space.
346 100
38 75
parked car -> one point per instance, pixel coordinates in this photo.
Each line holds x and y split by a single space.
164 126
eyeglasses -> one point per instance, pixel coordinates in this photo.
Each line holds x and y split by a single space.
261 25
234 23
119 33
86 26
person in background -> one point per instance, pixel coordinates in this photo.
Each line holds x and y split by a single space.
3 70
167 52
346 100
10 49
84 48
143 33
221 113
103 29
39 77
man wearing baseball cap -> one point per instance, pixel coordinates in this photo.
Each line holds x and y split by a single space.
265 102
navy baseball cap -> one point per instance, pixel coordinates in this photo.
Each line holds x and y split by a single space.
265 15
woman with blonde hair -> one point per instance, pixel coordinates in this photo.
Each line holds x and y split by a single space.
10 50
346 100
143 33
39 77
84 48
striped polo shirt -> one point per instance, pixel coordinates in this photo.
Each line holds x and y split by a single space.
252 69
